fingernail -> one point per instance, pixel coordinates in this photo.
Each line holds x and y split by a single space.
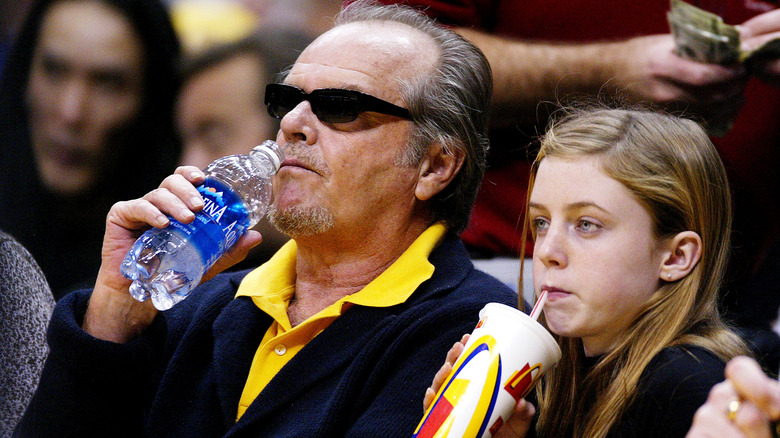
196 201
187 213
161 220
196 175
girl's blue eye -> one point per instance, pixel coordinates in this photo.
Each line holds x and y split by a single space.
539 224
587 226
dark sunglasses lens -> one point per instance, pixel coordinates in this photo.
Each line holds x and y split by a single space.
281 99
336 106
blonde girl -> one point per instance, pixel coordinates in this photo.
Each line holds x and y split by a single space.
630 214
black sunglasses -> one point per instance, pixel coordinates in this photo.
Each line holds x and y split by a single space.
330 105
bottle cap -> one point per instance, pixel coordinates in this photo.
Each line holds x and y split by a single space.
272 150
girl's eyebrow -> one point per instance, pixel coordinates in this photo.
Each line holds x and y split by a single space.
572 206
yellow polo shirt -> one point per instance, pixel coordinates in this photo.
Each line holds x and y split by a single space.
272 285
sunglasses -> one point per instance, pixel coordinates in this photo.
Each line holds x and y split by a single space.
330 105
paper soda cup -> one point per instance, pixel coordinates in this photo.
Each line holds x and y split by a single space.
507 353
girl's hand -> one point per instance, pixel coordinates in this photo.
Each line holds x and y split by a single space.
516 426
444 371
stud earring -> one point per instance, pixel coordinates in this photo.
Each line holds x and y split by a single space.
669 275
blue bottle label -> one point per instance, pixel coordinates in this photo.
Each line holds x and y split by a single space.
223 220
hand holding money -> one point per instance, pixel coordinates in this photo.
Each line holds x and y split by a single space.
761 37
704 37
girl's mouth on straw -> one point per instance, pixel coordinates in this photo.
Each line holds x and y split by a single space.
554 293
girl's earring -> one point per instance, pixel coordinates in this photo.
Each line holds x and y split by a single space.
669 275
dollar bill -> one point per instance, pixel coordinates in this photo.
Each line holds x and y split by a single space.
703 36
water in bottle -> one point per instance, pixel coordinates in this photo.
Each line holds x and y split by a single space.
166 264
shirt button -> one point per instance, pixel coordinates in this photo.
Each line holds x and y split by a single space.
280 349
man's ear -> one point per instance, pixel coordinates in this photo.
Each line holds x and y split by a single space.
437 170
682 253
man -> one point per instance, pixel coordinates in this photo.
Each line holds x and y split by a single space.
220 111
383 122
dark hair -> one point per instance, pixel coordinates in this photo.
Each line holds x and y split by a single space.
449 105
149 149
64 235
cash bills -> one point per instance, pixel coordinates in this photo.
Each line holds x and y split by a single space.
703 36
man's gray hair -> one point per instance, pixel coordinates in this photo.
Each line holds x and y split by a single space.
448 106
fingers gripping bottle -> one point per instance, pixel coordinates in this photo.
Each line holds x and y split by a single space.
166 264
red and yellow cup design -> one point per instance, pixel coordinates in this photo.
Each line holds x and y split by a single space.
504 357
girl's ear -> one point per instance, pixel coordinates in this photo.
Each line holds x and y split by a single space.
682 253
437 170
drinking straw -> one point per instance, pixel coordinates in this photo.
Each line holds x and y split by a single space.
539 304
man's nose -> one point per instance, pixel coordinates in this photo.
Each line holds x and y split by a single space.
300 124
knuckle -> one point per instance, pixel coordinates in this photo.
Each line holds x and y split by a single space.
749 418
157 193
721 391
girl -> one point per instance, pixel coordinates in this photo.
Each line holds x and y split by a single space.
630 214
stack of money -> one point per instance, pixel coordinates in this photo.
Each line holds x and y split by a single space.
704 37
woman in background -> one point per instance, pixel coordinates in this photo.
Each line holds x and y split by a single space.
85 120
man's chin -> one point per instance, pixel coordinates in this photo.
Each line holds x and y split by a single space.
301 222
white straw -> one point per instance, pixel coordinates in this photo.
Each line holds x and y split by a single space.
539 304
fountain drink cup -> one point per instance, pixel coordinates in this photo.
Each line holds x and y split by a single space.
507 353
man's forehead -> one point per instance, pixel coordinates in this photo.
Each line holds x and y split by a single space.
378 44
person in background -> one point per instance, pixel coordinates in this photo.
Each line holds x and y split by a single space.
311 16
220 109
383 126
745 405
545 52
26 304
201 24
86 115
11 16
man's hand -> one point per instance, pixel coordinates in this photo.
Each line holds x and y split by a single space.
640 70
113 314
756 32
654 73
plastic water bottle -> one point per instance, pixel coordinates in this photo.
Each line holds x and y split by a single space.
166 264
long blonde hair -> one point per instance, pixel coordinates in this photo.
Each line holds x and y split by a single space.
672 168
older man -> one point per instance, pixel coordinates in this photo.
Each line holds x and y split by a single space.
340 333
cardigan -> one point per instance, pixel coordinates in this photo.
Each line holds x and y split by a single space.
364 375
